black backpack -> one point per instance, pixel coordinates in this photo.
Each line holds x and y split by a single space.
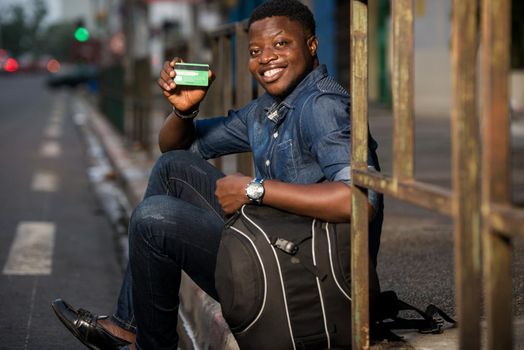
284 282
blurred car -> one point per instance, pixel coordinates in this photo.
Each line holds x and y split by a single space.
73 76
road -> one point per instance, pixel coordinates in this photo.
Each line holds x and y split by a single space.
55 240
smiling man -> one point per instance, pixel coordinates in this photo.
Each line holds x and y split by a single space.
299 133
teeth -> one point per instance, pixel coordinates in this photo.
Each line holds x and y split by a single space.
272 72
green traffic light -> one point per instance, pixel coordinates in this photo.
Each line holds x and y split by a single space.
81 34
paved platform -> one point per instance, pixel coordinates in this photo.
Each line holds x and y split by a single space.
416 258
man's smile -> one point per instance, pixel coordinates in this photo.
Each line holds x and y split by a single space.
272 75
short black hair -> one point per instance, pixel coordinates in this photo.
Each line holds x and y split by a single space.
292 9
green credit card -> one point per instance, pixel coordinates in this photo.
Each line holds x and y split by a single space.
191 74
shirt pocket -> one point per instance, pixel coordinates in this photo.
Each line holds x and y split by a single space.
286 167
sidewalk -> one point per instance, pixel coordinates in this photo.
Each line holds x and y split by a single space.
201 318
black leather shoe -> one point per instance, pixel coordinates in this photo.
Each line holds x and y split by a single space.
83 324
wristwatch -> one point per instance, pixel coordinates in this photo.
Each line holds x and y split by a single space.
255 190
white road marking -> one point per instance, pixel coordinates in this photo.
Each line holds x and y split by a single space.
45 181
51 149
31 312
32 249
57 117
53 131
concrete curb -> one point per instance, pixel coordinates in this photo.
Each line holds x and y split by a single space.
132 171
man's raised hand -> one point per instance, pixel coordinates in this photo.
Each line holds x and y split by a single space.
183 98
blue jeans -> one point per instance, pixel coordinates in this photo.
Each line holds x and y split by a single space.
176 227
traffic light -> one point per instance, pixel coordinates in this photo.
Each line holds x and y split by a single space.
81 33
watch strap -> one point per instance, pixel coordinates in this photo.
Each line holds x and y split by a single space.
185 116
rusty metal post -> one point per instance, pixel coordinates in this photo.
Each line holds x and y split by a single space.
402 90
466 169
214 91
243 88
226 70
216 98
496 188
359 144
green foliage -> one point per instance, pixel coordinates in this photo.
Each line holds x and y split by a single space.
57 40
20 30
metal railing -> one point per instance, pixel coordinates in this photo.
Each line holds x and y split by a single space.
234 86
479 202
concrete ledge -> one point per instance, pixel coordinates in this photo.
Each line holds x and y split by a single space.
132 170
207 327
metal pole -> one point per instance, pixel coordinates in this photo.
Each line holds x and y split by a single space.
402 91
359 217
466 170
496 187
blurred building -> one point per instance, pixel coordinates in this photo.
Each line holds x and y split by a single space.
432 47
138 35
432 57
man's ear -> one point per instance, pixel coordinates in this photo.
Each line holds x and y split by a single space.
312 44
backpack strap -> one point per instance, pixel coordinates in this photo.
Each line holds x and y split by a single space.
432 320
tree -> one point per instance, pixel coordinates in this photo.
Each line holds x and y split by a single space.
20 32
59 40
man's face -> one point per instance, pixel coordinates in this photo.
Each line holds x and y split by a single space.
280 54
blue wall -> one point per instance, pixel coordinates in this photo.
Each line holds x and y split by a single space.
243 9
324 11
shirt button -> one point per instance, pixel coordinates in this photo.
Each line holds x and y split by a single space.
275 135
268 162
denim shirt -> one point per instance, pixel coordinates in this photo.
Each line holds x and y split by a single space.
304 139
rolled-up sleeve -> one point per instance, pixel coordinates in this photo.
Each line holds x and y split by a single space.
325 126
328 129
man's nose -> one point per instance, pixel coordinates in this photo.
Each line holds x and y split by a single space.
267 56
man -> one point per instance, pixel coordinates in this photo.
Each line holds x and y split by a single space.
299 133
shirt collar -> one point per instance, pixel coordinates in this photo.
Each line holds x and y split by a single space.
275 110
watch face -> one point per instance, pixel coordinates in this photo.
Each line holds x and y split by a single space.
255 190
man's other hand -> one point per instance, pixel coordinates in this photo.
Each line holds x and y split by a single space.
231 192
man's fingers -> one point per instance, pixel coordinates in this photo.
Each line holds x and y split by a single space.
167 77
167 74
211 77
175 61
166 85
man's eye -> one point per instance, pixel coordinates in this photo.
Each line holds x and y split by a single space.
281 43
253 53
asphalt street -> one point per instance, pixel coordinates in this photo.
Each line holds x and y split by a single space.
55 240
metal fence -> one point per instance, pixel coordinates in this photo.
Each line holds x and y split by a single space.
485 222
234 86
